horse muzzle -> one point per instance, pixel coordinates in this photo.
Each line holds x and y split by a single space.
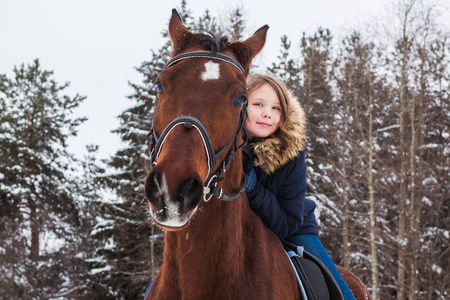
172 210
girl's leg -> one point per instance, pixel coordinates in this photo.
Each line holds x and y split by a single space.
312 244
146 291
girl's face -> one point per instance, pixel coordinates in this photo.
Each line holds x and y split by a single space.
264 112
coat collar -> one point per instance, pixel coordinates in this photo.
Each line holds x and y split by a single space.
270 154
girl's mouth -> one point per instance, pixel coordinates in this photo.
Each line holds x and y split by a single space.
263 124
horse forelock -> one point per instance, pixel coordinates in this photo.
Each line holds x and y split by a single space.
207 41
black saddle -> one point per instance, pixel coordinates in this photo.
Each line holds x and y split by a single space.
316 280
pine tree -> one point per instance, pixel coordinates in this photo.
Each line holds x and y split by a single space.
39 214
434 182
235 26
287 69
131 237
95 220
419 104
361 83
315 95
207 23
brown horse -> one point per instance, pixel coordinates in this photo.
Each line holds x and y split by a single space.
216 247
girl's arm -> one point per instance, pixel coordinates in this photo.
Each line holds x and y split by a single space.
282 213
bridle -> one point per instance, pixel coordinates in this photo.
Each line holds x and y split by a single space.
189 122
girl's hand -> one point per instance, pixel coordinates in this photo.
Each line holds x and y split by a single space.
247 159
250 180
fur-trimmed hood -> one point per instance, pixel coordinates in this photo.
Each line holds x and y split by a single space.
269 153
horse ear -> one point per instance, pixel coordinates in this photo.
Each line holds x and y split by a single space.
177 31
256 42
245 51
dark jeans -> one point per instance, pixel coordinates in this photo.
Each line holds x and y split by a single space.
312 244
146 291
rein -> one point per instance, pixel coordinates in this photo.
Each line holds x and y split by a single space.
188 122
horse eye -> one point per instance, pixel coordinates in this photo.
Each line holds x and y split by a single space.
240 100
159 87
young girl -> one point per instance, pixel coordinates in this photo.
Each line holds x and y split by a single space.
276 173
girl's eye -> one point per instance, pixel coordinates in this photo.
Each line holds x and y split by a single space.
159 87
276 108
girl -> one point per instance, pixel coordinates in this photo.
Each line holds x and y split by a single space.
275 169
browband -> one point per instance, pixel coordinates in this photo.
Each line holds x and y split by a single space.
206 54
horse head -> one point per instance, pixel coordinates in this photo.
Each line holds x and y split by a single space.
197 124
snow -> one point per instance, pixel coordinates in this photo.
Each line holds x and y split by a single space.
101 270
110 244
427 201
429 180
436 269
102 225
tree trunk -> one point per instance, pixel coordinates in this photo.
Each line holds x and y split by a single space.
345 204
373 237
373 245
401 267
345 230
416 174
34 247
412 209
401 213
368 174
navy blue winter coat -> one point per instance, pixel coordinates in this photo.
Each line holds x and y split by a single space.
279 199
279 194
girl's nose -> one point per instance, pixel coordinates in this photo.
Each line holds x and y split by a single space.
266 114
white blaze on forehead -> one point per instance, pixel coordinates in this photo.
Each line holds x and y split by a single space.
211 71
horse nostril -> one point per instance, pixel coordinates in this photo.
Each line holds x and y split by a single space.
155 188
190 193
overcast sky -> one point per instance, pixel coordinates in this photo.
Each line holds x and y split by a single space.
96 44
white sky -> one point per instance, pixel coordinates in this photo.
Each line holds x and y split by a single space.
96 44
